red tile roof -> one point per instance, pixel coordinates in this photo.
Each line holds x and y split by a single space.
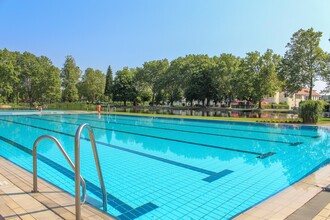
306 92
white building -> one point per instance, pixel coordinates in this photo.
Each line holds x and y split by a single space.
293 100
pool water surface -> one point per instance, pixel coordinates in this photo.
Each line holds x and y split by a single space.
162 168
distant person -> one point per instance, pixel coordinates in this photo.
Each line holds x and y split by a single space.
99 109
108 107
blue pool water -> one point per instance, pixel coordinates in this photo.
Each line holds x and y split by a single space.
157 168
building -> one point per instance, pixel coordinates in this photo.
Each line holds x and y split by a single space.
293 100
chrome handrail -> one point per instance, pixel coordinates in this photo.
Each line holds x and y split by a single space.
35 167
77 167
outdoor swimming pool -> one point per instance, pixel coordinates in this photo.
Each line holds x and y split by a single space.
159 168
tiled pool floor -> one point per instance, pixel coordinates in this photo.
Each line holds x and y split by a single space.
17 201
300 201
286 204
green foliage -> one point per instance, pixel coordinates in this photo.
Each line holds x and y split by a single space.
280 120
151 74
326 74
70 75
46 86
108 83
310 111
227 69
201 83
9 75
92 85
124 85
28 77
304 62
173 80
261 75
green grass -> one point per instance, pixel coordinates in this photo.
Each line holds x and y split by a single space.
188 117
322 121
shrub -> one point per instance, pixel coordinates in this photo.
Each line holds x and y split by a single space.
310 111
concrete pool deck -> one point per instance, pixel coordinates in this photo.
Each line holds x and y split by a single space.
17 201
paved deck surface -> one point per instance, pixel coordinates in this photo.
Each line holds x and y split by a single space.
17 201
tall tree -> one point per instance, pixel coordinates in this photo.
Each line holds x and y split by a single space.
70 75
304 62
93 84
262 74
201 84
326 74
144 93
228 67
108 83
124 86
173 80
28 72
46 84
9 74
152 73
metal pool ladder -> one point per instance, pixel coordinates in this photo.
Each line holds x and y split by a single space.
75 167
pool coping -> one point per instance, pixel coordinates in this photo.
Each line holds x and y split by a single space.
294 202
17 201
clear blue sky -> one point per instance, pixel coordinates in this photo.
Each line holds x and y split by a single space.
129 32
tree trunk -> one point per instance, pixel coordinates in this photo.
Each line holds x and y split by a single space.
153 99
259 105
310 88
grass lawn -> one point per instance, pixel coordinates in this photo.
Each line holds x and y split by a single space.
322 121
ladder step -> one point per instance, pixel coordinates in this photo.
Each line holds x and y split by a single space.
94 202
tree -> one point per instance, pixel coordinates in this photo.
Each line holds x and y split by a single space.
201 84
151 75
267 83
92 85
228 67
173 80
8 75
258 76
144 93
326 74
108 83
28 72
70 75
124 86
46 84
304 62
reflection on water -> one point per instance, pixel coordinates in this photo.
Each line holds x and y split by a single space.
212 112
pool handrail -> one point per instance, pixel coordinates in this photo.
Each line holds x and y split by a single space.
35 167
77 165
